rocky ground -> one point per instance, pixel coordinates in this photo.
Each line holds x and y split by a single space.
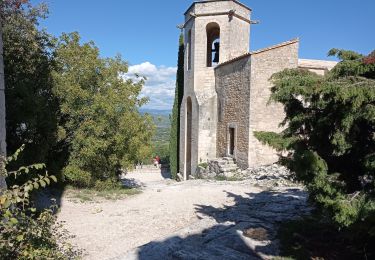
268 176
198 219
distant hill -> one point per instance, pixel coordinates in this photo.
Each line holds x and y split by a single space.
155 112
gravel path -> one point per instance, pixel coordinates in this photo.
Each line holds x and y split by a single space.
118 229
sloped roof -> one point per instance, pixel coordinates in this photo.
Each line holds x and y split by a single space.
259 51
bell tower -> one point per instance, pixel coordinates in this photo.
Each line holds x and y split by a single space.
215 31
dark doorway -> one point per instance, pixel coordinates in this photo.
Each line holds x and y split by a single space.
232 133
188 137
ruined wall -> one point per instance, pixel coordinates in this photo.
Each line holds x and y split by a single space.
264 116
233 90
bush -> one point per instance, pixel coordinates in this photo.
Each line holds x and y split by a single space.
77 177
330 133
25 233
110 184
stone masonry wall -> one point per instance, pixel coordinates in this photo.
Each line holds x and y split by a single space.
233 90
264 116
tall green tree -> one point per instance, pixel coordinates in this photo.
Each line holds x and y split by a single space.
100 120
175 118
330 133
31 107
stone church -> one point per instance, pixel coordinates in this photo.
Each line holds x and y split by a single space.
227 87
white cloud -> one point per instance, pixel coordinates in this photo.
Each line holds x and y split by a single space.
160 83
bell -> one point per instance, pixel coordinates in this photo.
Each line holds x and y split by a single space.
217 52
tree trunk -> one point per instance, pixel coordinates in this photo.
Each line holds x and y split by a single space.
3 184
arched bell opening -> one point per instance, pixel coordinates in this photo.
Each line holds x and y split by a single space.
213 44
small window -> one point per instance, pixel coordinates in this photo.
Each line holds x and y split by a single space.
232 132
213 44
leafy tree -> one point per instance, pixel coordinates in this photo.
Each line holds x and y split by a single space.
175 118
330 133
31 107
100 121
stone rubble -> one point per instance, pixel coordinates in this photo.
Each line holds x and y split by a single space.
273 175
270 176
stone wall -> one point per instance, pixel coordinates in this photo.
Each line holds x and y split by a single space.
244 88
233 90
265 116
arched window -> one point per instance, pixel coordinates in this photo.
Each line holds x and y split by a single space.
213 44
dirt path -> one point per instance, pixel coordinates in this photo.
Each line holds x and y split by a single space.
114 229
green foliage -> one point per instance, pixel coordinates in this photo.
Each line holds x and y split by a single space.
275 140
31 106
65 101
77 177
175 119
100 121
203 165
330 133
109 184
312 237
160 141
161 149
25 234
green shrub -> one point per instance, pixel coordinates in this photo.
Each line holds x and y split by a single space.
330 133
25 233
203 165
106 185
77 177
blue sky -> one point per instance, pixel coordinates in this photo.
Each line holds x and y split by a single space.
144 31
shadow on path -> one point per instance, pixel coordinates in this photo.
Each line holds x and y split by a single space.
49 197
219 234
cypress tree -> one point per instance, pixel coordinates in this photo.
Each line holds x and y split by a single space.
175 118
